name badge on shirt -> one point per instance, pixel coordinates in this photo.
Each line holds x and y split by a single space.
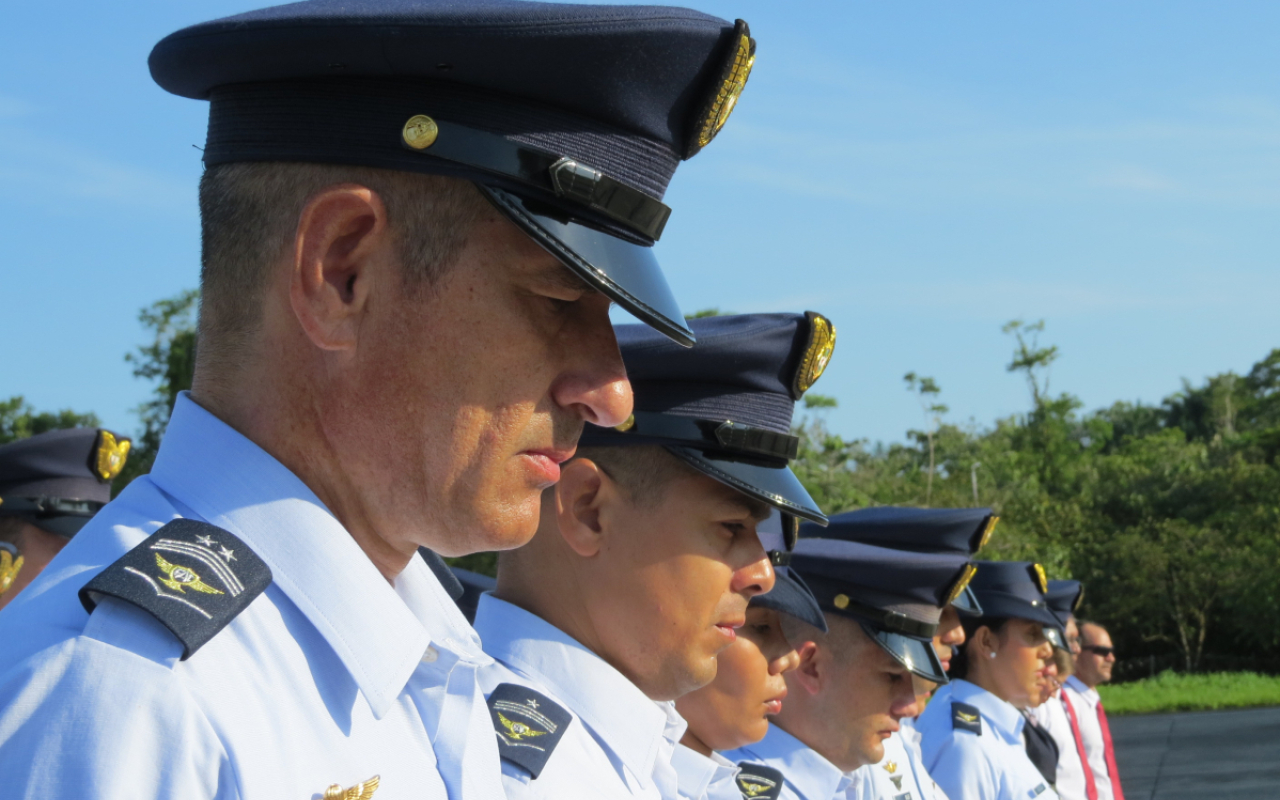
1039 790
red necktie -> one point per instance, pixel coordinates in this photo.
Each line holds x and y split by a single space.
1111 753
1090 788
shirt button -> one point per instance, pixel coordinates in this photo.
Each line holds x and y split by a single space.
430 656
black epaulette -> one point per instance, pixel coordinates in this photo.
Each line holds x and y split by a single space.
529 725
965 717
192 576
758 782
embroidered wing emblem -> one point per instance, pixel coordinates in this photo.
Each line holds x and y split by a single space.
518 730
529 725
361 791
183 578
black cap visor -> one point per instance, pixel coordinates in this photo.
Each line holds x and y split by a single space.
776 485
626 272
916 655
967 603
789 595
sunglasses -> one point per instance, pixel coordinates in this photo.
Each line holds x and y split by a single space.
1098 650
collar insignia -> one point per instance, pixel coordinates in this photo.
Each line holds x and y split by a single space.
962 581
758 782
528 725
361 791
1042 580
10 566
817 354
733 79
109 456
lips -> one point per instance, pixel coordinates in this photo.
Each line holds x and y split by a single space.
546 462
774 704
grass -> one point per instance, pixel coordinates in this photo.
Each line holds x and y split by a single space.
1170 691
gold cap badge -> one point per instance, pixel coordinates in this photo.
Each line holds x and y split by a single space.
987 531
420 132
720 104
1079 600
817 353
110 456
966 575
626 425
10 566
1042 580
361 791
840 601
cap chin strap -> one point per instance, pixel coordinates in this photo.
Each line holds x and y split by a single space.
892 621
45 507
715 435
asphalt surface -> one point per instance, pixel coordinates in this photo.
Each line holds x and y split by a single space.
1195 755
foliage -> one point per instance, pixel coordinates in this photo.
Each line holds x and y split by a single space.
1170 691
18 419
169 361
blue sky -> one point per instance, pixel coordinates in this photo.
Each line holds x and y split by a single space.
919 172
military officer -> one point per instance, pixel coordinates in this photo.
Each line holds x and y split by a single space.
649 549
959 531
415 215
51 484
855 684
1056 716
971 732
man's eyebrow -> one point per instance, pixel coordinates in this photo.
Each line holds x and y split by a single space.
564 278
756 509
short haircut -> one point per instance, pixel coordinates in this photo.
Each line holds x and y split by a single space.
1082 623
841 636
643 471
249 215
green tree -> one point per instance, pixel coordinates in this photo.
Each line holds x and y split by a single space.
18 419
927 390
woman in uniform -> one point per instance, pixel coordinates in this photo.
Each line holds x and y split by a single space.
971 732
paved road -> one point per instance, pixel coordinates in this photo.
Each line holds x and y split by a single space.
1190 756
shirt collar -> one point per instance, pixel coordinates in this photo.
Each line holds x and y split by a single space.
1084 691
1000 715
631 725
810 775
379 631
698 772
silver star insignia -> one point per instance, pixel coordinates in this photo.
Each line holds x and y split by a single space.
225 553
532 703
207 541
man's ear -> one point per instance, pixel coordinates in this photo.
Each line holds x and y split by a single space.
811 673
579 496
342 234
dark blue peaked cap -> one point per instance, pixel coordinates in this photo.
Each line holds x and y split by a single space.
1013 589
961 531
570 118
791 595
58 480
897 595
725 406
1063 598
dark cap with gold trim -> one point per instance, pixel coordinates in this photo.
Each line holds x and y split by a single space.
896 595
1014 589
959 531
725 406
571 119
58 480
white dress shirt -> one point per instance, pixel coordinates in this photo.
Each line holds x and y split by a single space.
702 777
331 676
1085 702
807 775
619 743
900 775
992 765
1052 716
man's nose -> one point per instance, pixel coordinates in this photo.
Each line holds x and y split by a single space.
593 385
755 578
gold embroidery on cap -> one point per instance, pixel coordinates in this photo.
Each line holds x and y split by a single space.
966 575
817 353
1042 580
111 455
361 791
1079 599
420 132
730 89
841 601
990 529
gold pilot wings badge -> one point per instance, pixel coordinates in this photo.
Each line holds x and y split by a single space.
361 791
965 717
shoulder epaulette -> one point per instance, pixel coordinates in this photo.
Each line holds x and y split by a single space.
529 725
965 717
192 576
758 782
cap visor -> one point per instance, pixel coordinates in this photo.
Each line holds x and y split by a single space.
1057 638
626 272
915 655
790 595
967 603
777 486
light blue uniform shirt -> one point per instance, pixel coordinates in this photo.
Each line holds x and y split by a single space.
331 676
900 775
619 742
705 778
808 775
968 766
